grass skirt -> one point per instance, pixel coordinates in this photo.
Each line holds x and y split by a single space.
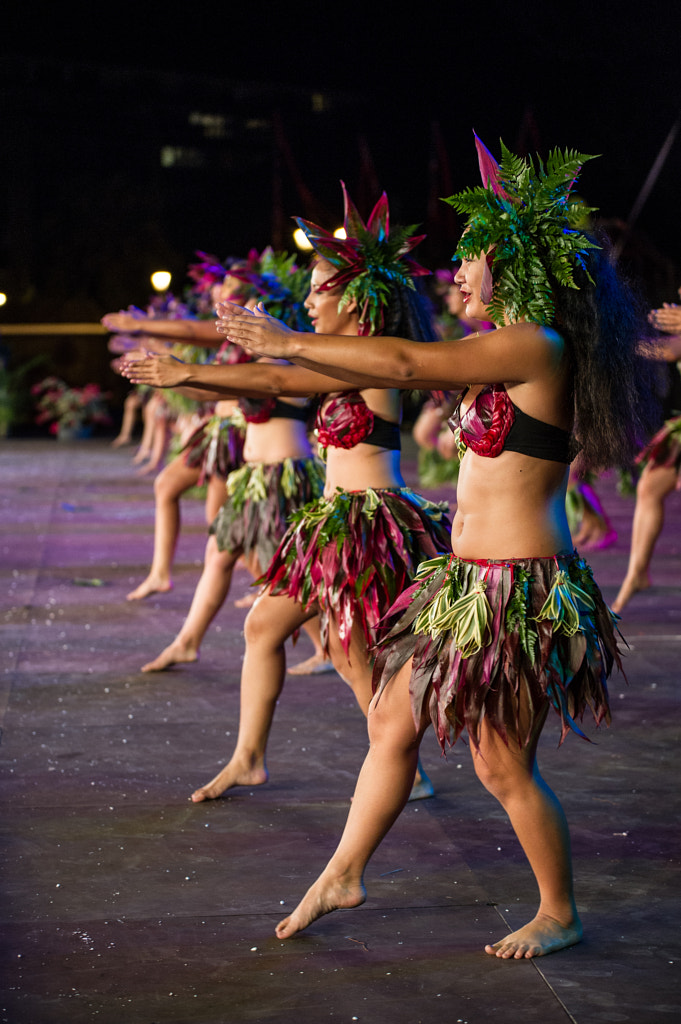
664 449
260 500
354 553
490 636
216 446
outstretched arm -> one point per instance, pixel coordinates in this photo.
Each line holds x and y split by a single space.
195 332
517 353
250 380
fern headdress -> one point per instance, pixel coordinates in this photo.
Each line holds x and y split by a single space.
370 260
523 217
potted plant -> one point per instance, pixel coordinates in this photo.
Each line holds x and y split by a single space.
71 412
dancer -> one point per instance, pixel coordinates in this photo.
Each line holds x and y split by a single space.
347 556
490 637
215 446
661 462
279 474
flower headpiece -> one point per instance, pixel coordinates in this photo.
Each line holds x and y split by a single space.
370 260
274 279
207 272
525 217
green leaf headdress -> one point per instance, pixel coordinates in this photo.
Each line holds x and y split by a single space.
524 219
274 278
371 260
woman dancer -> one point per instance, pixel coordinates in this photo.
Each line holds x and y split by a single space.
215 447
512 623
661 462
279 474
348 555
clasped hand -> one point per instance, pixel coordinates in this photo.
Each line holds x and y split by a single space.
667 318
155 370
256 330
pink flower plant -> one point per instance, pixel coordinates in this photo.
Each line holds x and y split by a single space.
64 407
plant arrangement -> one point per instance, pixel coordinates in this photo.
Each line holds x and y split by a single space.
69 409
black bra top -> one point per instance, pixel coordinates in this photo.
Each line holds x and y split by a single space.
345 420
493 423
262 410
286 411
384 434
538 439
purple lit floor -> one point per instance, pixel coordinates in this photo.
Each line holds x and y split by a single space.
125 902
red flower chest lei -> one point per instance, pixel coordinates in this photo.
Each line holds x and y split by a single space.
344 421
486 423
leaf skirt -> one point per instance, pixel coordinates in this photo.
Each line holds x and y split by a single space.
354 553
490 638
216 446
664 448
261 498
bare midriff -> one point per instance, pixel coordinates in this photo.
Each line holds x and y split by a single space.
512 506
226 407
367 465
276 440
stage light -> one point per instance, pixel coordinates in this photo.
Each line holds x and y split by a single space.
160 280
301 240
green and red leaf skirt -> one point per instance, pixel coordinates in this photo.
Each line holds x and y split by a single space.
261 498
498 640
216 446
664 448
354 553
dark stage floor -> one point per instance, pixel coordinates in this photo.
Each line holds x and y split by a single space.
125 902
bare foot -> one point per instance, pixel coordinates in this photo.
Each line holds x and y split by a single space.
151 467
151 585
120 442
321 898
141 456
177 653
631 585
595 534
246 601
540 936
233 774
316 665
598 542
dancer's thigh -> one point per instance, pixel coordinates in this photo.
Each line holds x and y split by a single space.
390 711
275 618
175 479
215 497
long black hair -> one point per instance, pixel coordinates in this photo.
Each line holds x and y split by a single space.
616 378
409 314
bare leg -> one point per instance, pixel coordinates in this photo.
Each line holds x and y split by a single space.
216 493
268 625
251 562
654 485
131 406
159 443
595 529
169 485
510 773
318 663
357 673
382 790
148 419
209 596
